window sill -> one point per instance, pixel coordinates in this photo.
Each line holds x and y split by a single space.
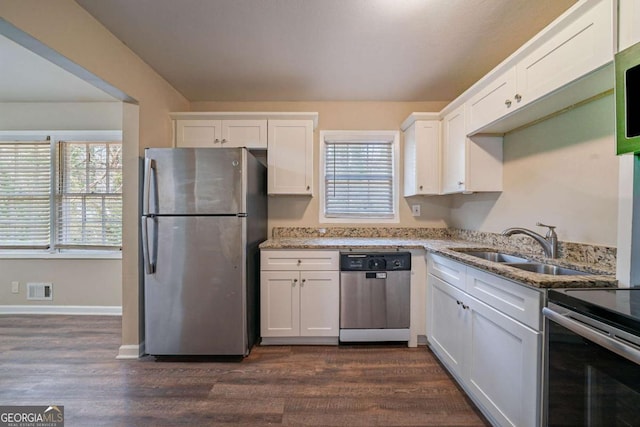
68 254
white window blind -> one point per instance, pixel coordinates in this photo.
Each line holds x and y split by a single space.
359 179
89 197
25 194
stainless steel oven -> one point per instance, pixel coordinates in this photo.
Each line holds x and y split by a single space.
592 357
375 291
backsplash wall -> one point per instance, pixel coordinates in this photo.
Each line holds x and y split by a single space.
604 256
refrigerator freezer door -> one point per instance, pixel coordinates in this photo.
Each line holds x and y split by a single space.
194 181
195 301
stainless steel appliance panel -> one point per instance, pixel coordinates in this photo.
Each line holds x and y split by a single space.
592 371
195 301
380 301
194 181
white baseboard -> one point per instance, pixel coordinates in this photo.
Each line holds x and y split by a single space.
87 310
129 351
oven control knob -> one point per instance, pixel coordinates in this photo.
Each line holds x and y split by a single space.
397 263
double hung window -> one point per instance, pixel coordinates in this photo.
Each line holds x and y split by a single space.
61 192
359 171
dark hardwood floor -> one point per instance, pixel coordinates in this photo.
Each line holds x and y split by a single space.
70 361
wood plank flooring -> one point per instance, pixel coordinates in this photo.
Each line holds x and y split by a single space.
70 361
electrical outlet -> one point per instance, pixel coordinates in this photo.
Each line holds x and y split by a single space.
15 287
415 210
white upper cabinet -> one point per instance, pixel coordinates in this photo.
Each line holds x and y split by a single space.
577 45
469 164
288 137
494 100
574 49
244 133
221 133
453 151
290 157
629 23
422 158
198 133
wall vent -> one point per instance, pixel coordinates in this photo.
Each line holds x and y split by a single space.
40 291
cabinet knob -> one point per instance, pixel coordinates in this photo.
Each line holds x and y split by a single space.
216 141
303 282
308 188
224 140
518 97
295 281
421 187
460 182
507 103
299 262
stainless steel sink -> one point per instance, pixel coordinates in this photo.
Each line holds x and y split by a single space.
496 256
537 267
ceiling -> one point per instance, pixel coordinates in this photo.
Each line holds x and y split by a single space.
27 77
323 50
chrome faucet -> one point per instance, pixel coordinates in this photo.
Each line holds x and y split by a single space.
549 242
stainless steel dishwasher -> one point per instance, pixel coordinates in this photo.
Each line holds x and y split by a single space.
375 291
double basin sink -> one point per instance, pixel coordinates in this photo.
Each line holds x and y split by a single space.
525 264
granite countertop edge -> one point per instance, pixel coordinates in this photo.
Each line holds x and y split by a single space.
455 249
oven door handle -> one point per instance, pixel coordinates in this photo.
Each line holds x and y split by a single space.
595 336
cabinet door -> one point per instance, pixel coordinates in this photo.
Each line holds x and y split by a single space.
454 140
629 16
495 100
290 157
502 368
447 323
576 48
319 303
422 158
198 133
244 133
280 304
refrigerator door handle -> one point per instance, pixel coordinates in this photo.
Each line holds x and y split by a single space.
149 168
149 264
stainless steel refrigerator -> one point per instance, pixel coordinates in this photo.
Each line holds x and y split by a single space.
204 215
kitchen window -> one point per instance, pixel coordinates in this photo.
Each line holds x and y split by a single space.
359 170
61 191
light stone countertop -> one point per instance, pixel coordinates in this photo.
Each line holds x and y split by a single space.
455 249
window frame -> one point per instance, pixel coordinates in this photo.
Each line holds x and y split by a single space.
55 137
359 136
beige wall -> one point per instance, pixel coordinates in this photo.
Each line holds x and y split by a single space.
563 171
302 211
61 115
69 30
81 282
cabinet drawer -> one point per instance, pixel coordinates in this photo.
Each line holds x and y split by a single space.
448 270
299 260
517 301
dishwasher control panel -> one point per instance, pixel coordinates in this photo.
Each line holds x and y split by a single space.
375 261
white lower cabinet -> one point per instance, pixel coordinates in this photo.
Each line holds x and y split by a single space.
495 357
299 305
